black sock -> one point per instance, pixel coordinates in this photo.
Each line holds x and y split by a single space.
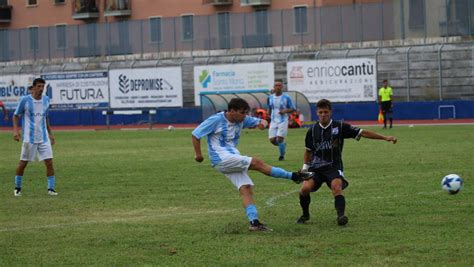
304 202
390 122
340 204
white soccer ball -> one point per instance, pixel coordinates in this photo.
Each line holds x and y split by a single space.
452 183
170 127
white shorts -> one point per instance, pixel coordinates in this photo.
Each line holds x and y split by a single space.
235 168
278 129
30 151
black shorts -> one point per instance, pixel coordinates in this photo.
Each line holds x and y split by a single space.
326 175
387 106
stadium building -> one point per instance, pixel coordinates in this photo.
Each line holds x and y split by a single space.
105 55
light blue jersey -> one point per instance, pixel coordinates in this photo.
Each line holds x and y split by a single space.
222 135
277 103
34 113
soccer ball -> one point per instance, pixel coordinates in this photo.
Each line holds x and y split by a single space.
170 128
452 183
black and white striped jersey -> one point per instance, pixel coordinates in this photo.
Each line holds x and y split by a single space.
326 143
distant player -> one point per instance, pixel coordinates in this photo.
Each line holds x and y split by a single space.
386 104
223 133
280 105
37 136
5 111
323 156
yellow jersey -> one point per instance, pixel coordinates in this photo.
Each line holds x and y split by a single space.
385 93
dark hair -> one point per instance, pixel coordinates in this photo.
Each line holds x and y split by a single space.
279 81
384 81
324 103
238 104
38 80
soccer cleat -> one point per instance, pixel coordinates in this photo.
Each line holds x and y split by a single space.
302 220
281 158
17 192
51 192
257 226
342 220
300 176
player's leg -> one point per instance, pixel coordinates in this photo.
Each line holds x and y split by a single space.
337 186
258 165
272 133
390 115
20 170
281 147
281 134
244 184
45 153
28 152
384 112
305 200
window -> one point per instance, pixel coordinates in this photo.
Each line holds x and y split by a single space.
61 36
155 30
301 19
3 2
417 14
59 2
187 27
223 28
34 38
261 21
32 2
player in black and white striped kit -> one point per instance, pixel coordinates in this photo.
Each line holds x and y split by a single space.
323 156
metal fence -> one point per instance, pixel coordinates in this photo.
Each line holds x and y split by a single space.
386 20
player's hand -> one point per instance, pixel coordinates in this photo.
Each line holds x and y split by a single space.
262 125
198 158
51 138
16 137
392 139
282 111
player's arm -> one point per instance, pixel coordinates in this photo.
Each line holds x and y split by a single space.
263 124
197 149
5 113
374 135
50 133
16 130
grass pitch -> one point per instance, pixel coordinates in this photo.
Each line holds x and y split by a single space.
139 198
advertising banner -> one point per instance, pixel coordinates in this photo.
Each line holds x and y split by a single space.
215 78
77 89
13 87
146 88
341 80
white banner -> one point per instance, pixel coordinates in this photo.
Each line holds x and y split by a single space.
341 80
13 87
77 89
214 78
146 88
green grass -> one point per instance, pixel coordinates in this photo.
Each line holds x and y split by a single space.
138 198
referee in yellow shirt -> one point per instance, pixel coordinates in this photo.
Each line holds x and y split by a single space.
385 101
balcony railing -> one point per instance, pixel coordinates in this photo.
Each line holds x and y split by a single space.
85 9
255 2
217 2
117 8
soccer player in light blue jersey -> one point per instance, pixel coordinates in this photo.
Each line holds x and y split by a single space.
36 132
223 132
280 105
